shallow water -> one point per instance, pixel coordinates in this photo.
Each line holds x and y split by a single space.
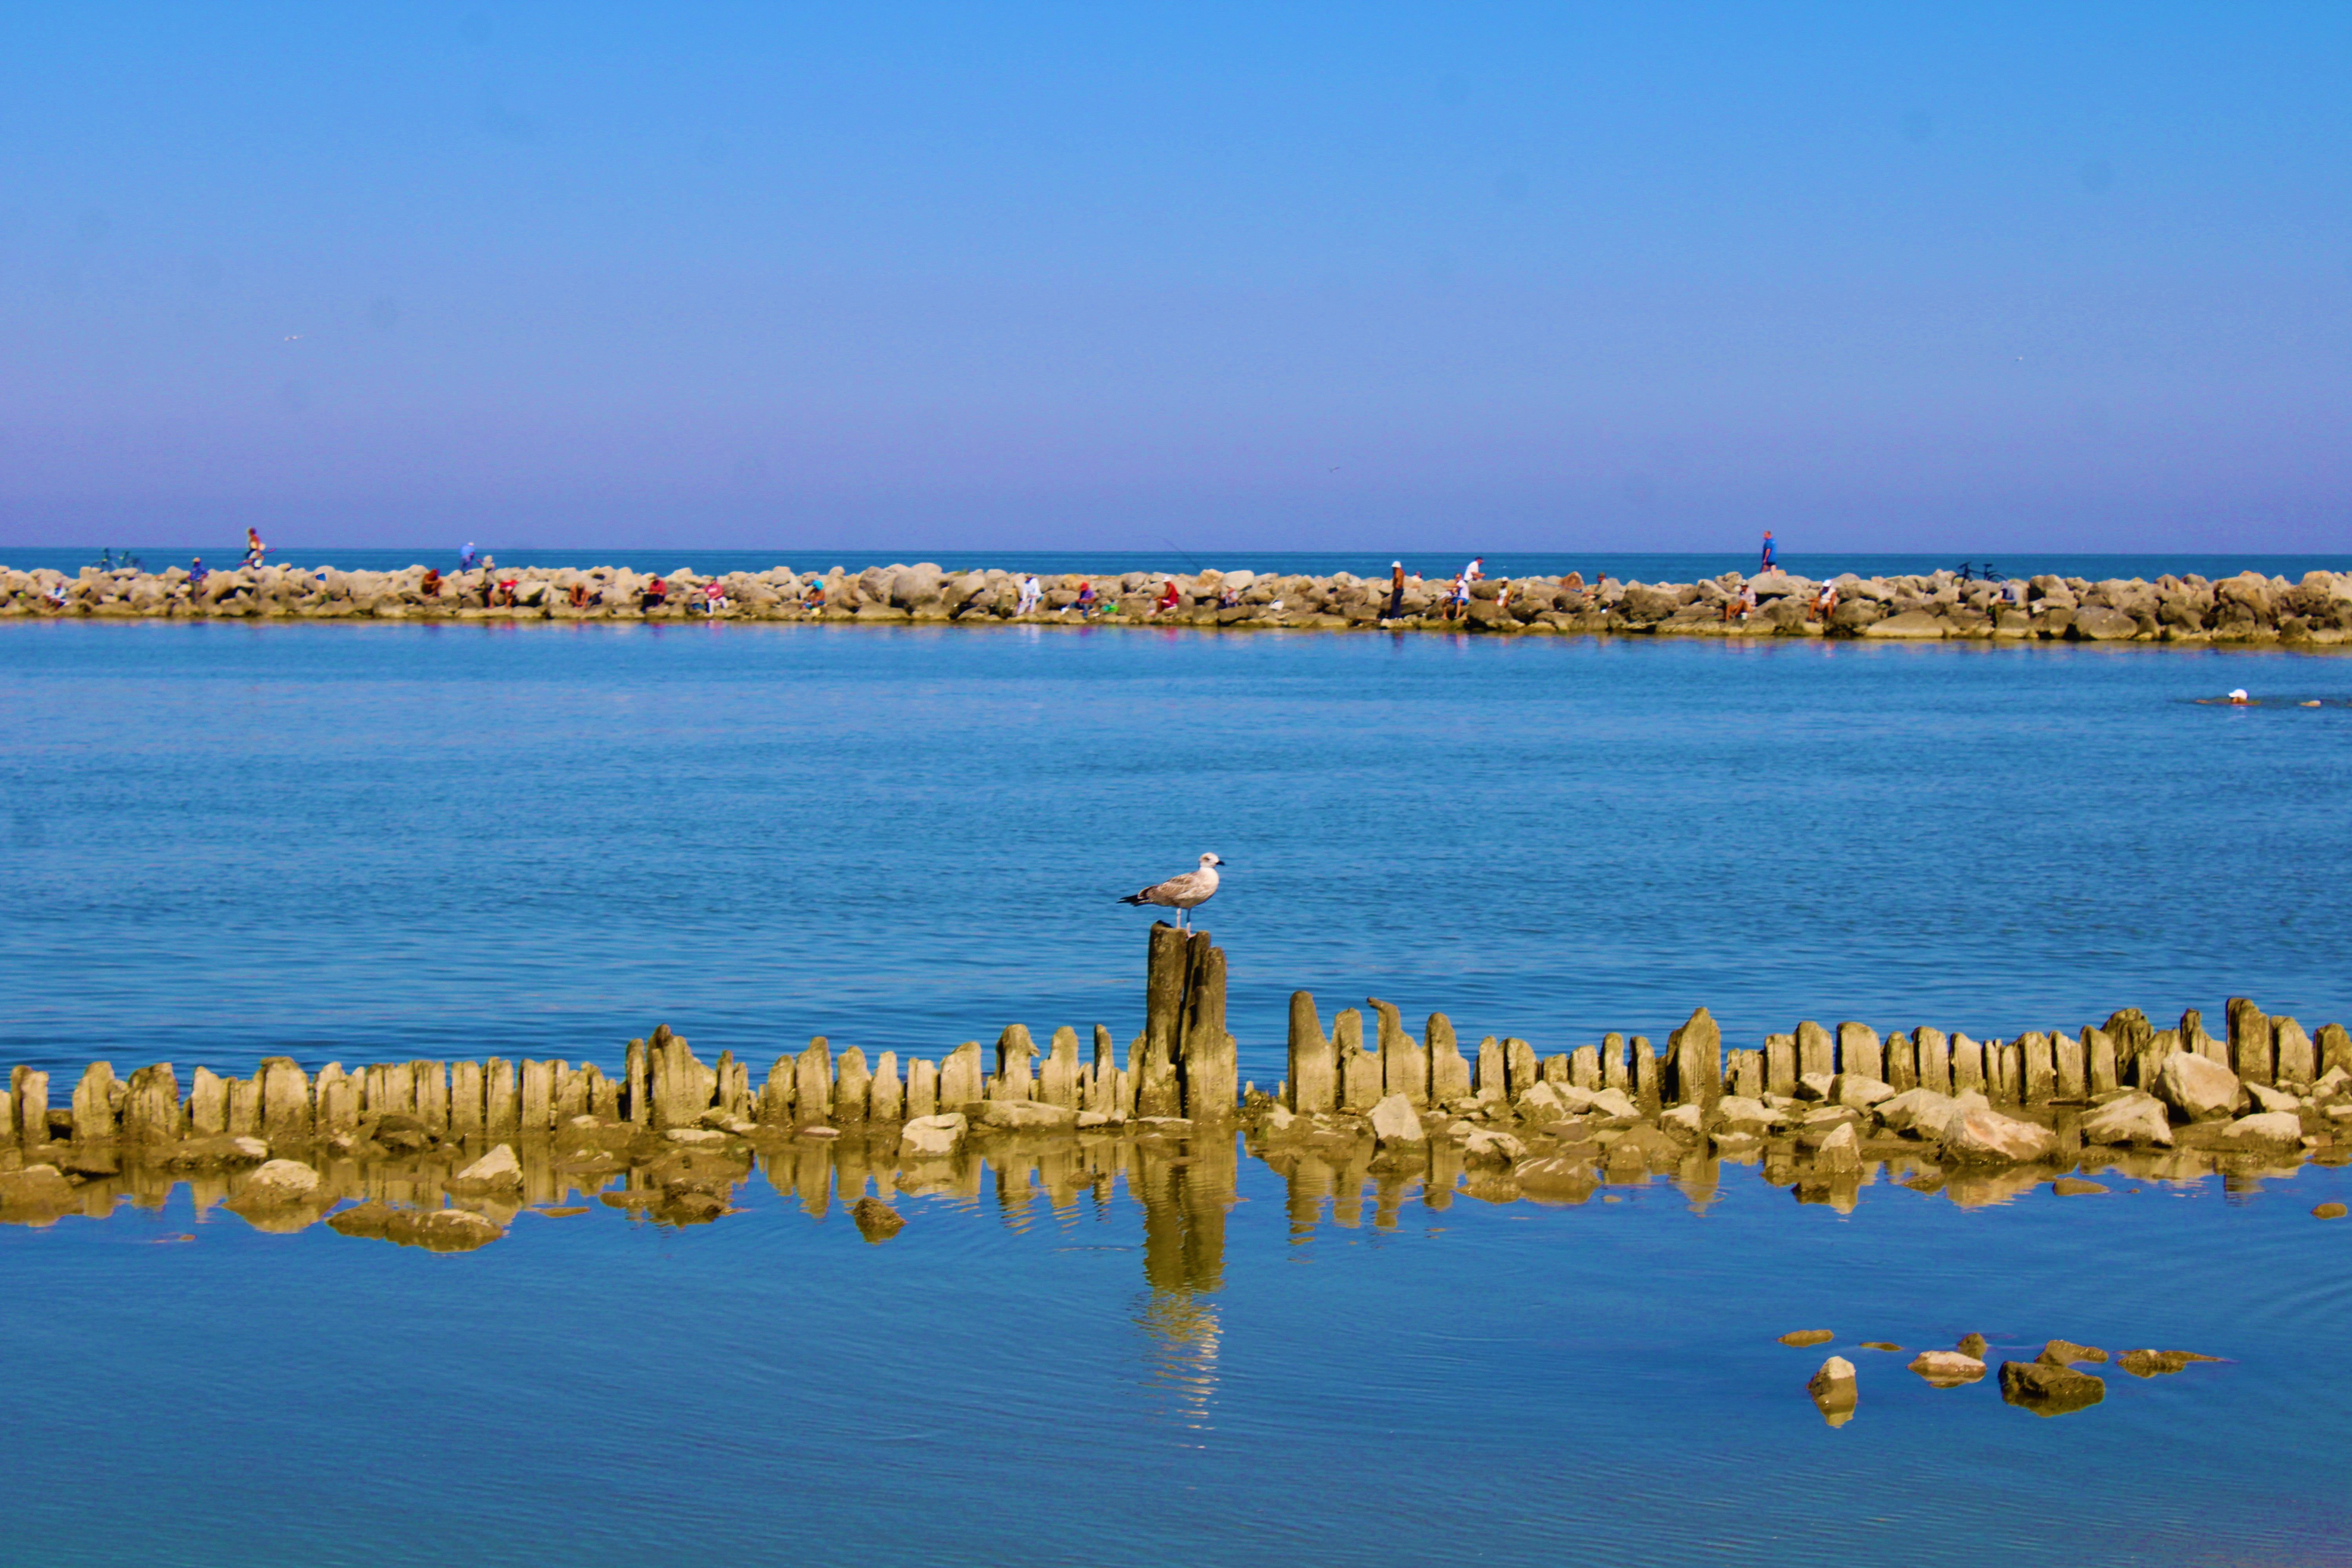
374 842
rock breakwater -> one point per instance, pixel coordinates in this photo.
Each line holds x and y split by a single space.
1825 1112
2247 609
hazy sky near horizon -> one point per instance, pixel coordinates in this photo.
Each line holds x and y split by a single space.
1496 275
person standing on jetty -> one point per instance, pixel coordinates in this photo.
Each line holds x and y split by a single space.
1030 594
1396 590
254 548
466 557
1766 563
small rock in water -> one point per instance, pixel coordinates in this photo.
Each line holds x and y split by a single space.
498 1168
1800 1338
2156 1363
692 1135
1880 1345
2328 1211
2066 1353
280 1182
1974 1345
877 1221
2132 1118
2049 1390
1834 1389
2075 1187
1947 1369
564 1212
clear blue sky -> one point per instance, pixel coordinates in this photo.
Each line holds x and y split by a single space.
1093 276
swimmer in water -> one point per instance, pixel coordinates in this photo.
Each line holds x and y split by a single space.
2237 697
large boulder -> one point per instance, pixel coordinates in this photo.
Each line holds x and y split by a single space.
1393 1121
1987 1138
1919 1111
2200 1089
1840 1152
2100 625
2270 1130
1486 1146
1911 625
1026 1115
2132 1118
280 1182
932 1135
1861 1093
498 1167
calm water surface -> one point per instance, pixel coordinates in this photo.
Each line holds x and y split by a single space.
364 842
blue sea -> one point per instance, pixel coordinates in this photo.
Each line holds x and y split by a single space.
361 842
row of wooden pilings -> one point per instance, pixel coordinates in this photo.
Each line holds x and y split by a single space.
1184 1065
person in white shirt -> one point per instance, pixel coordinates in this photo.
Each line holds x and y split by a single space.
1030 594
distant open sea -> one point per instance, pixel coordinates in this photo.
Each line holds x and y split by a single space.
1625 566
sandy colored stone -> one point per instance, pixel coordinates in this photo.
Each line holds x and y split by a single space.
2270 1129
498 1168
2328 1211
937 1134
2075 1187
2132 1118
2066 1353
1987 1137
1026 1115
1800 1338
1393 1120
1947 1369
2197 1087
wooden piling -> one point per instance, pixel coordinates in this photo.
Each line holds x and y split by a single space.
638 1106
1780 1063
2069 1069
1968 1066
1211 1057
1816 1050
2038 1069
1934 1051
886 1096
960 1079
501 1100
1493 1086
1405 1067
1584 1067
1449 1074
812 1082
2296 1059
1159 1091
1058 1080
1313 1065
1645 1076
538 1096
922 1087
1102 1087
2252 1045
1360 1069
853 1087
2101 1072
1861 1052
1616 1072
1013 1078
1695 1060
1902 1062
151 1110
93 1104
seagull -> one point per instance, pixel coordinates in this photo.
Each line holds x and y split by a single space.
1183 894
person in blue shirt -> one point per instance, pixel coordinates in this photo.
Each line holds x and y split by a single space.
466 557
1768 551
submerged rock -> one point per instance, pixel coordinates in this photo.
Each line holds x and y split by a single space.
2328 1211
2270 1129
2158 1364
932 1135
1973 1345
435 1230
2066 1353
877 1221
1801 1338
2048 1390
280 1182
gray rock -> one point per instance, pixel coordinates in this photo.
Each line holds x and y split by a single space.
2200 1089
1947 1369
2270 1129
1393 1121
1840 1152
2103 626
1861 1093
2131 1117
1486 1146
2049 1390
1987 1138
1905 1112
2265 1098
1909 625
280 1182
1026 1115
498 1168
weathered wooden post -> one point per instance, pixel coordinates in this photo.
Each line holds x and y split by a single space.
812 1081
1405 1067
1694 1056
1816 1051
1860 1052
1313 1064
1159 1093
1210 1066
1449 1075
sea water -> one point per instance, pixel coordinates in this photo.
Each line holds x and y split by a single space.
362 842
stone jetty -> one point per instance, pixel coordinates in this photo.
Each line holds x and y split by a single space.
2249 608
445 1153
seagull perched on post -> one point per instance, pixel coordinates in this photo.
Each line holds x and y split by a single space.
1183 894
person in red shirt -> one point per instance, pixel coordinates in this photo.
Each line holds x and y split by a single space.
1168 598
